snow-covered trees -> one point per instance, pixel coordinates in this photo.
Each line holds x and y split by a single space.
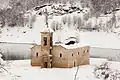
55 25
64 20
105 6
105 73
14 15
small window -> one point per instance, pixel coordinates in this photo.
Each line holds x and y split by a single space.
60 55
78 53
84 51
45 41
50 51
51 41
72 54
36 54
50 57
87 50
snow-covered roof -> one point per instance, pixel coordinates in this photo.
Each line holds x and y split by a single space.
47 30
72 46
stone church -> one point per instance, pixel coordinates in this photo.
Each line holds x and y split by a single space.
48 55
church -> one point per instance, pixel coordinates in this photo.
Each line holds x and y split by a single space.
48 55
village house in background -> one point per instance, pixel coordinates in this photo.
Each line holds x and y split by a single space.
48 55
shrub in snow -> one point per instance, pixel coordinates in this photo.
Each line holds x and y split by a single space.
2 64
110 58
3 69
1 60
103 72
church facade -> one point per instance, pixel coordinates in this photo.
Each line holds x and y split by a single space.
48 55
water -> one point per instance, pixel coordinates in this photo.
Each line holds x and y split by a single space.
23 51
111 54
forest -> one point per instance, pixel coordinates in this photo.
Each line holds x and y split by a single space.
13 13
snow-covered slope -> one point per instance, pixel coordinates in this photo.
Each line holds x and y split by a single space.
93 39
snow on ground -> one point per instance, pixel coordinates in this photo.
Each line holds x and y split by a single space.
27 72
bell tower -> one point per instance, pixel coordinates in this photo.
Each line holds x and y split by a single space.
46 44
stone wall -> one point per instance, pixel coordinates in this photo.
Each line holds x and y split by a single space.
70 57
78 56
62 57
35 55
47 35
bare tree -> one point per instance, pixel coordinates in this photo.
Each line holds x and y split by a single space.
69 20
64 19
74 20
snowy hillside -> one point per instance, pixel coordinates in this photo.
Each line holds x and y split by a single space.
94 39
58 14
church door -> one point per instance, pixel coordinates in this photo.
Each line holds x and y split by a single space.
75 63
45 64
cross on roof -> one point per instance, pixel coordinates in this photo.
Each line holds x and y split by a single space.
46 17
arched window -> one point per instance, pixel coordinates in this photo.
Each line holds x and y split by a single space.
45 41
78 53
60 54
74 64
36 54
51 41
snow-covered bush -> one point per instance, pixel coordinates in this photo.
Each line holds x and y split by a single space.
1 60
103 72
2 64
109 58
3 68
